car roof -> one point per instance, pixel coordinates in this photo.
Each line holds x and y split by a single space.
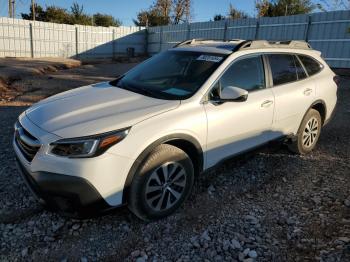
230 46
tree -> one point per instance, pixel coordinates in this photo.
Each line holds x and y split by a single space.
150 18
105 20
284 7
263 7
164 12
78 16
58 15
77 10
161 10
164 7
182 11
219 17
39 13
235 13
142 18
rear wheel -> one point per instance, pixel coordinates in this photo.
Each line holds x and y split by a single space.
162 184
308 133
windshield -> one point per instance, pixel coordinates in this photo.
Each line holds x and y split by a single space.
171 74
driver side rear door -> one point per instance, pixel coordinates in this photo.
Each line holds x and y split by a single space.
234 127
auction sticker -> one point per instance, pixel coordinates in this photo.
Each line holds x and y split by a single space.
210 58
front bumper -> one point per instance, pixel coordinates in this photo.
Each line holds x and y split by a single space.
73 196
72 185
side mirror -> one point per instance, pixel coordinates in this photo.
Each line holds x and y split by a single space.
233 94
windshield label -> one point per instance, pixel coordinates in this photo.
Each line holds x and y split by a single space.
210 58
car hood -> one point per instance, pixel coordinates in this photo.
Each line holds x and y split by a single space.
95 109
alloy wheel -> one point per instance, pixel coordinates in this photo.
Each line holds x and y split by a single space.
310 132
165 186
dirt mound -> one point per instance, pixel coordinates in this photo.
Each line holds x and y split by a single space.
15 73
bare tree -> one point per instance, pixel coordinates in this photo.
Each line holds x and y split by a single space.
188 7
163 9
181 11
164 12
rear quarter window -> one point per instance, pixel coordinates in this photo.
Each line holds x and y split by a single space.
283 68
311 65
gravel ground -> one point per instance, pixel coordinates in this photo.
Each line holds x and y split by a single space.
269 205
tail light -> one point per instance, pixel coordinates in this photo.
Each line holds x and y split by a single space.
336 80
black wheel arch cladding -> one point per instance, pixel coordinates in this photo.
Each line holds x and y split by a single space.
185 142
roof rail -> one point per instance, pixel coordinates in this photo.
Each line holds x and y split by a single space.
199 40
252 44
191 41
243 44
256 44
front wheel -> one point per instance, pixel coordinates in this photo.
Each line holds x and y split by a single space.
162 184
308 133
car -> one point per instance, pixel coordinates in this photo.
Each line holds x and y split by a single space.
142 139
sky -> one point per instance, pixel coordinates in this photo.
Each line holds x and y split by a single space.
126 10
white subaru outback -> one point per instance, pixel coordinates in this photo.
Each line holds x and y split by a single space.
142 139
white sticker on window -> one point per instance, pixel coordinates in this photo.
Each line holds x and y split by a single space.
210 58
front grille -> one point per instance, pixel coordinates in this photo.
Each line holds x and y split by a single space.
26 142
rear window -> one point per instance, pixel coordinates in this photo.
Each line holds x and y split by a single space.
311 65
283 68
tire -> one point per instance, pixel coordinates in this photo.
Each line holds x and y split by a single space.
153 197
305 141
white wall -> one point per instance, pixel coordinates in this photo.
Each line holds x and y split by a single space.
23 38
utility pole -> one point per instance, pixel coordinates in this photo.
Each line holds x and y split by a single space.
13 8
10 8
33 9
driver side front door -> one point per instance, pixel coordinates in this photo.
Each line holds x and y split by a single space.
234 127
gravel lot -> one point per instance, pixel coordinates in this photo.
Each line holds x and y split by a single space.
269 205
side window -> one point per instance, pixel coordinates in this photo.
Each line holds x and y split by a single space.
246 73
300 70
283 68
311 65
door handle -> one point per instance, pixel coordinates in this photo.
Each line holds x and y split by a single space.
307 91
267 103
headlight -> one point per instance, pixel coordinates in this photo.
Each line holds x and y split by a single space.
89 146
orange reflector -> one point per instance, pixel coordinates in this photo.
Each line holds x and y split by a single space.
109 140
